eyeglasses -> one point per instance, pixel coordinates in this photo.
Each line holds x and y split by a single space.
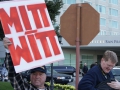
110 66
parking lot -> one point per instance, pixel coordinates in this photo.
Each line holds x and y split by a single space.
73 83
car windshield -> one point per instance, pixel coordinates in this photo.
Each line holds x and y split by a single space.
0 69
116 71
3 70
49 70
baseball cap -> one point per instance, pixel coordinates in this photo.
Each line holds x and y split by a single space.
40 69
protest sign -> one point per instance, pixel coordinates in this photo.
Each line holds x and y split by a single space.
27 24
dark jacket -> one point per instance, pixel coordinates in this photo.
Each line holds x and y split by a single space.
85 69
93 77
92 65
1 29
1 32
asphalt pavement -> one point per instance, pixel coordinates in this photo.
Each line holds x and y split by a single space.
73 83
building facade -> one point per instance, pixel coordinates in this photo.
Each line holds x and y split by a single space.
107 39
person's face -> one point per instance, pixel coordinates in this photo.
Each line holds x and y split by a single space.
107 65
38 79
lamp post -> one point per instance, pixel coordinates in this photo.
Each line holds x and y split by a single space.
60 39
52 83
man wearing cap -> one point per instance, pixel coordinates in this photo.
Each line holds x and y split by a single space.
37 75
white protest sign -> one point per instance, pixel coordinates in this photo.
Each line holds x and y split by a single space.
28 25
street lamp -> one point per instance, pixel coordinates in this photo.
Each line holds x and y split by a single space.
60 39
51 83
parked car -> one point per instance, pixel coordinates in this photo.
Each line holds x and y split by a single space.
3 74
0 77
116 72
57 77
70 70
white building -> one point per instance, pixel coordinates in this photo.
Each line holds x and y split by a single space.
107 39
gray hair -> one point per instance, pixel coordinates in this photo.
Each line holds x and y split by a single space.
110 55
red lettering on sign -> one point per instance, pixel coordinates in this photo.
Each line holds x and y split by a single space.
24 50
19 52
41 8
34 47
36 10
42 38
51 35
31 31
28 50
25 18
9 20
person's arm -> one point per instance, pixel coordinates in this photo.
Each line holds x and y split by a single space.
6 42
88 82
16 79
115 85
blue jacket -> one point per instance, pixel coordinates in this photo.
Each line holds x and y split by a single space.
93 77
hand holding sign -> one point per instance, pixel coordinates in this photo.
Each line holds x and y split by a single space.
6 42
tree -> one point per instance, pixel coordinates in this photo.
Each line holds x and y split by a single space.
53 7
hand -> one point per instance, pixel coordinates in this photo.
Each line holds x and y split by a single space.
6 42
114 84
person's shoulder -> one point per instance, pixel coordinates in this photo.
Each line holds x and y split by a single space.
110 73
47 87
93 64
94 69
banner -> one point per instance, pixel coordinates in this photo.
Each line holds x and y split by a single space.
27 24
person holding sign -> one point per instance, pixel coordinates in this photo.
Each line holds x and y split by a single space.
31 39
37 76
28 26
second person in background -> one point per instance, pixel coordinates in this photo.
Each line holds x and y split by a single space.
98 76
84 69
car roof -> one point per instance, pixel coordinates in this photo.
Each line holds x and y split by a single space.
116 67
60 66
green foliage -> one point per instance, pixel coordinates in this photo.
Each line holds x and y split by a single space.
53 7
5 86
62 87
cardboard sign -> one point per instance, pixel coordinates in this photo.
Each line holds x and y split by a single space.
28 25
